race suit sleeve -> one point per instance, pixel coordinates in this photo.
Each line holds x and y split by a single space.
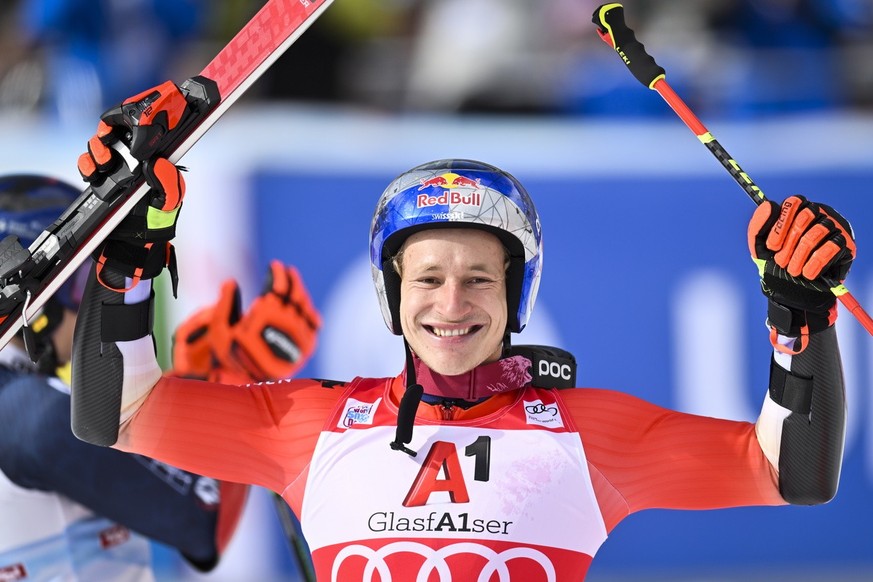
38 451
257 434
643 456
261 434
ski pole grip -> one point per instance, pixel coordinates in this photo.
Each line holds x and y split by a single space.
612 29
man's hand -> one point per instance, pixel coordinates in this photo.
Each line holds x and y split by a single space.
272 340
277 335
142 122
139 248
200 338
796 247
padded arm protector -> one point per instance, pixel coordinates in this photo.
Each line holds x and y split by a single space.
114 364
809 389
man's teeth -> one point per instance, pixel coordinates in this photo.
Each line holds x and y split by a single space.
451 332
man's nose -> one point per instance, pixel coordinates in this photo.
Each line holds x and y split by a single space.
453 300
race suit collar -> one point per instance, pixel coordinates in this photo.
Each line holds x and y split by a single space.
504 375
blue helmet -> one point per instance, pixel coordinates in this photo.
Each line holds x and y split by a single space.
458 194
29 204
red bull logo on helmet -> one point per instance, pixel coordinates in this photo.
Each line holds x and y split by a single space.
452 184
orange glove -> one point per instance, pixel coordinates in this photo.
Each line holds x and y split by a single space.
140 246
277 335
206 333
796 246
143 121
272 340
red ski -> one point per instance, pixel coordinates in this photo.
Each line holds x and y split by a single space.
29 276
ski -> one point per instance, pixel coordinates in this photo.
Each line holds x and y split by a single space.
29 276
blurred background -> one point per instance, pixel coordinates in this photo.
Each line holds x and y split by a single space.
728 58
647 277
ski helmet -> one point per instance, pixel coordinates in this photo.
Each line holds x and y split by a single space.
458 193
29 204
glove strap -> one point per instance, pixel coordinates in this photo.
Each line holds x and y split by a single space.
796 323
149 258
804 341
783 320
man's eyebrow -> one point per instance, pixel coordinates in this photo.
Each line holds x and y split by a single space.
436 267
427 267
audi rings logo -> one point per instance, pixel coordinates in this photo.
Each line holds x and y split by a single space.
543 414
435 560
541 408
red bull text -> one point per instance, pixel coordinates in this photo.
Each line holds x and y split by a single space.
449 182
449 197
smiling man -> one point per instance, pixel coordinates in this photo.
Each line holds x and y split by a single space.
504 476
453 298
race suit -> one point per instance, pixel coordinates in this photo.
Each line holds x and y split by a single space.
72 511
525 485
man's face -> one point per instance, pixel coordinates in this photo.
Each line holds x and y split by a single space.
453 298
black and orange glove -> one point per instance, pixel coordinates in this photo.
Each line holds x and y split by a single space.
277 334
797 247
200 338
272 340
139 247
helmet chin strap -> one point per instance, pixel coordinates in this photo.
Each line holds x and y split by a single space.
408 406
412 398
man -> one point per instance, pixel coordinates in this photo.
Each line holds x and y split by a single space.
73 511
493 472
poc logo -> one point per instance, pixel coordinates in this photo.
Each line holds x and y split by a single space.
555 370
